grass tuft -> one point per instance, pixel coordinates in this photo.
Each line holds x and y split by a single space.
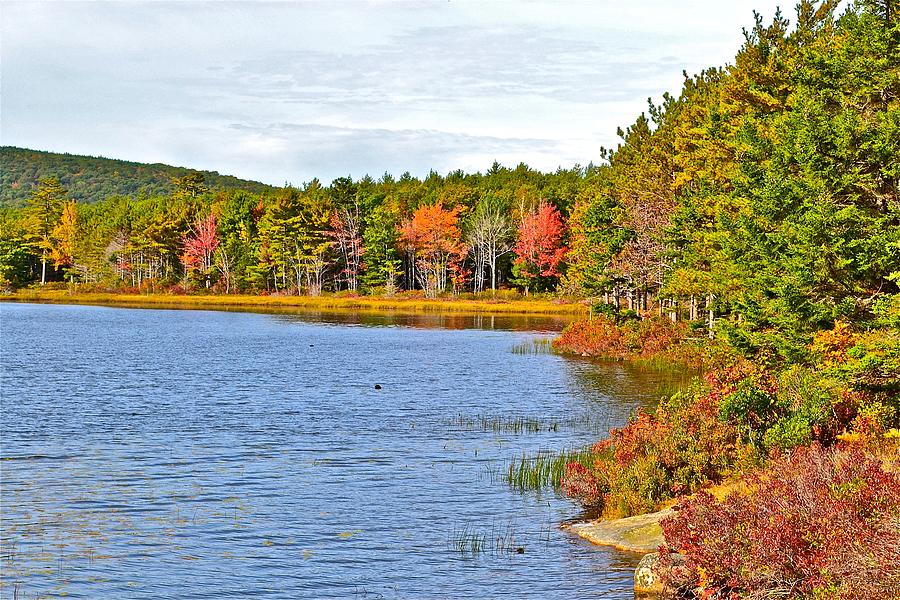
544 470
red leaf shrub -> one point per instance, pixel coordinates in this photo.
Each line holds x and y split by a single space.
601 336
597 337
817 524
675 451
579 482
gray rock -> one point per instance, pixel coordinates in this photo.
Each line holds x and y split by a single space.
646 576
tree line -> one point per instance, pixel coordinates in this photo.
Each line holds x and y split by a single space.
439 235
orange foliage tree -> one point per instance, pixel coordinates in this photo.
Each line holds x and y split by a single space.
432 236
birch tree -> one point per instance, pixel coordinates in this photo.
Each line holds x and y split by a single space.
491 236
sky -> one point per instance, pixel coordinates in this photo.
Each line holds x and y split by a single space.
287 91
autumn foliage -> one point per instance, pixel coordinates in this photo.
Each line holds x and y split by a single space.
200 245
739 416
433 236
675 450
818 524
603 337
540 248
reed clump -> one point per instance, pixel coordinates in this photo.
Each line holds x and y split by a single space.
501 424
546 469
501 539
535 346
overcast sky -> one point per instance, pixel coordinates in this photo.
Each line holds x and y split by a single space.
290 91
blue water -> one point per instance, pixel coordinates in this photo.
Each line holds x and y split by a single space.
200 454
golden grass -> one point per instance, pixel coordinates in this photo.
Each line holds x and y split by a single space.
312 303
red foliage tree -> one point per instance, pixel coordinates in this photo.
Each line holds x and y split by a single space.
540 248
199 246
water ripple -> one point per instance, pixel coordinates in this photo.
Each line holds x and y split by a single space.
193 454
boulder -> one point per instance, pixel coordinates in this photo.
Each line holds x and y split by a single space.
646 575
646 581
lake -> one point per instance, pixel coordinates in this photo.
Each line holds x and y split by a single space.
204 454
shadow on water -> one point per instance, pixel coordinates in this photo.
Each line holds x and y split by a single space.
631 384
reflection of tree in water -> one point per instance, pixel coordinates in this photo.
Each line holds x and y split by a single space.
615 390
429 321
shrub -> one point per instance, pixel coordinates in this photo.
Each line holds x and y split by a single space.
634 338
579 482
675 451
817 524
604 309
597 337
868 360
742 413
752 407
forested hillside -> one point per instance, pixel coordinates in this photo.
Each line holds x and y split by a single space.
91 179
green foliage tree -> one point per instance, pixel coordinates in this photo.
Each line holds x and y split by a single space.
381 240
44 209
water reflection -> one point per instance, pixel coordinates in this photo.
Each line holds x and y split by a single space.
619 389
534 323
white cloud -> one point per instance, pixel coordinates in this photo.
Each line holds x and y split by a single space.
291 91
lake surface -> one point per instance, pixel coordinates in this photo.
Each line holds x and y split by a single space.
201 454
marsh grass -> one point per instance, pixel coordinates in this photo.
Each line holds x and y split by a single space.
522 424
468 540
499 540
534 346
544 470
398 304
500 424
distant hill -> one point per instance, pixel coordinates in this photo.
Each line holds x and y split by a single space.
92 178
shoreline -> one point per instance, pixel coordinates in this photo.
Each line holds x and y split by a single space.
412 306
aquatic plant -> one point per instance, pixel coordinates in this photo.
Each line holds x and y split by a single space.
519 424
467 540
502 424
546 469
534 346
499 540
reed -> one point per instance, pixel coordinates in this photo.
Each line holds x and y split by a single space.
535 346
468 540
544 470
521 424
500 424
501 539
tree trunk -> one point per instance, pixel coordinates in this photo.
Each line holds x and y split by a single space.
494 274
